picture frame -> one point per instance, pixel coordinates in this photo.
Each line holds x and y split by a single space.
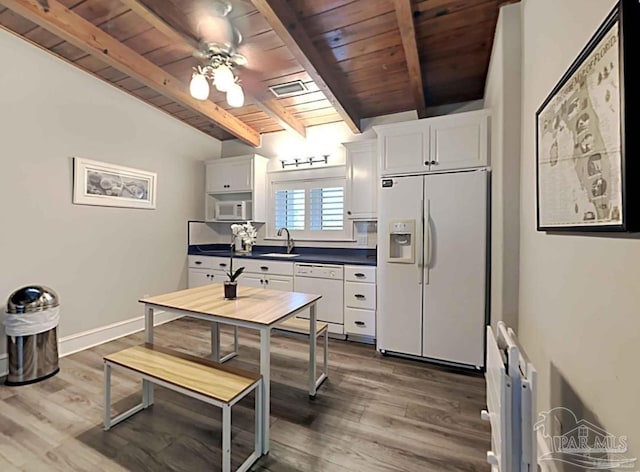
585 159
104 184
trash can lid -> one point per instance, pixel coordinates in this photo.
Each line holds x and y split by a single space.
32 298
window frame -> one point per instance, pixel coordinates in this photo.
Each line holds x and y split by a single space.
326 177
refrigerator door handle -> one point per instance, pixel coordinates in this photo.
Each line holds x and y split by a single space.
427 240
420 247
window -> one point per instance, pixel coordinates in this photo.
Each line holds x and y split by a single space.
311 209
326 209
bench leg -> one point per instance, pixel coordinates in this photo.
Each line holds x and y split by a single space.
107 396
226 438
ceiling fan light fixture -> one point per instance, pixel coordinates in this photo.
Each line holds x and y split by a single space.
199 86
235 95
223 78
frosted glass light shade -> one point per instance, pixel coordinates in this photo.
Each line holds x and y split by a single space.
235 96
199 87
223 78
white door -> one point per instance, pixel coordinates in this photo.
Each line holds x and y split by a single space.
251 280
232 176
455 267
275 282
399 320
362 169
459 141
404 148
199 277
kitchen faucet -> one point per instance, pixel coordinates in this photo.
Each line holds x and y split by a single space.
289 240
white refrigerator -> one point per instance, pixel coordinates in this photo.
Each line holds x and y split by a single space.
432 266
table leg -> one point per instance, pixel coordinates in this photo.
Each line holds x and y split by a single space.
147 387
265 371
215 341
312 350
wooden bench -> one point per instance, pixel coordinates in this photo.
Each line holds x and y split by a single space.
198 378
298 326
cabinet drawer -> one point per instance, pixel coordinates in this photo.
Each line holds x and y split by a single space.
360 274
209 262
359 295
200 262
258 266
361 322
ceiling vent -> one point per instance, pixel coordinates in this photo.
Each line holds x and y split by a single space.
290 88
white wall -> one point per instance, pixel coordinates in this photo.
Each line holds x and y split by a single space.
579 295
99 260
503 97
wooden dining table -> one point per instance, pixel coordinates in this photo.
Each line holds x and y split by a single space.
255 308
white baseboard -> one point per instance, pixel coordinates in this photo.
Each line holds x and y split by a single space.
94 337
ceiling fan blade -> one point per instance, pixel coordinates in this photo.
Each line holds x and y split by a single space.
253 84
265 61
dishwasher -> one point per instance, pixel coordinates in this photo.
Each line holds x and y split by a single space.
328 281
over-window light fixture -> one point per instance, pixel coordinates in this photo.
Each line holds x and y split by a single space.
219 72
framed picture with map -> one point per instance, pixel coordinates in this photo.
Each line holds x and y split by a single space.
587 154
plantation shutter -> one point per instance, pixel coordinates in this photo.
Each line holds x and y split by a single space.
290 208
326 209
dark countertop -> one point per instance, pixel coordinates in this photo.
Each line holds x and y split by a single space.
312 255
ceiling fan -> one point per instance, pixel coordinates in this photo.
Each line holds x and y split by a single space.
226 57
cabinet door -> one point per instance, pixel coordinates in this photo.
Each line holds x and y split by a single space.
275 282
459 141
362 168
251 280
404 148
199 277
232 176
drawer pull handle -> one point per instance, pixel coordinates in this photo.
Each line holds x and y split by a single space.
264 268
223 264
198 262
359 274
359 296
360 323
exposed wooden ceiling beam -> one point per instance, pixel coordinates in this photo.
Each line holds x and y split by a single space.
155 19
404 14
284 21
271 106
81 33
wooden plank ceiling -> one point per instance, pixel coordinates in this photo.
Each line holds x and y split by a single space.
357 58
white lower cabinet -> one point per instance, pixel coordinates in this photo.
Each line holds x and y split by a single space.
360 322
200 277
360 302
272 282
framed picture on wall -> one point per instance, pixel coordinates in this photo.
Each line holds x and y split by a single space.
104 184
587 154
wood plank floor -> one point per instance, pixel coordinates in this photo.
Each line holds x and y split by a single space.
374 414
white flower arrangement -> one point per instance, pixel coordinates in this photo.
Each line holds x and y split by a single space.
246 232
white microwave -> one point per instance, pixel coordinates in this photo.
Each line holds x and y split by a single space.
236 210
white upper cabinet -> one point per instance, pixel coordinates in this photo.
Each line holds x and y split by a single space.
446 142
459 141
362 180
230 175
403 147
233 179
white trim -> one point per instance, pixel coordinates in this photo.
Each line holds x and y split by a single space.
543 449
94 337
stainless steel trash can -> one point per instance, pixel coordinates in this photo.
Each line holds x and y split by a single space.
32 357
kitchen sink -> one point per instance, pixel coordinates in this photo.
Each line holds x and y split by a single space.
279 254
